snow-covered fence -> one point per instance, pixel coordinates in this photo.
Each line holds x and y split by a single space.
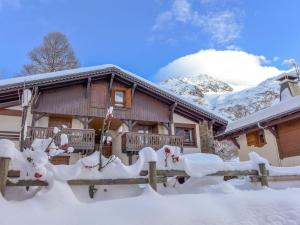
32 168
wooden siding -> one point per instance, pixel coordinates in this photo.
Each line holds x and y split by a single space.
64 101
73 101
288 136
99 94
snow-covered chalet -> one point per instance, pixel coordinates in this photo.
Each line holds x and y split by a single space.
143 113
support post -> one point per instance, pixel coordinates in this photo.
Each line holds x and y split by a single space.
4 165
263 174
153 175
23 124
129 154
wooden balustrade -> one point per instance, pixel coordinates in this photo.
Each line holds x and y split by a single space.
136 141
80 139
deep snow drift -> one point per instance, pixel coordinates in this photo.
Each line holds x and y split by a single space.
219 204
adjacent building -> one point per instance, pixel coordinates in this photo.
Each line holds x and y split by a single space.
274 132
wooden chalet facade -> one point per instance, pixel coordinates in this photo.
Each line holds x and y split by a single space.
274 132
144 114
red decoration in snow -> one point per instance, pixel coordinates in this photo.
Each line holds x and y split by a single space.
167 150
64 147
38 175
175 158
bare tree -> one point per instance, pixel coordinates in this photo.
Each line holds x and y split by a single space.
54 54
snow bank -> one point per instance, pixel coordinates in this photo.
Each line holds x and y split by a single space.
87 167
223 204
201 164
7 149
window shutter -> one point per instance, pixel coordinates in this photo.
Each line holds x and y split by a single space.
128 99
252 139
256 139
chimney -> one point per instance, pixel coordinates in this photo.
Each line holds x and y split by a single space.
288 85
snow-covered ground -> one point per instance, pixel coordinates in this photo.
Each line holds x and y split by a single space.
200 200
195 202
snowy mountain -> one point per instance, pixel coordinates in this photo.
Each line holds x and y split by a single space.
196 87
219 96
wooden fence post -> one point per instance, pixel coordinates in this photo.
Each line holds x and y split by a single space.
152 176
263 174
4 164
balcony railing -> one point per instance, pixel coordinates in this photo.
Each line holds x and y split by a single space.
79 139
136 141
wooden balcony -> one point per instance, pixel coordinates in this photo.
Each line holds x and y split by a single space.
132 142
80 139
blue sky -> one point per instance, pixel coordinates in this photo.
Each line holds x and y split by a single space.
145 36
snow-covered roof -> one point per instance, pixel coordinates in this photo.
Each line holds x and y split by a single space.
42 76
283 108
11 82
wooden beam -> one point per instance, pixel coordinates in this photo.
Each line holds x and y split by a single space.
88 88
211 123
9 104
120 181
110 89
273 131
37 117
133 123
235 142
10 112
27 183
133 90
111 81
182 173
35 97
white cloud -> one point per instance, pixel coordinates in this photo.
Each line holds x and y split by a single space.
289 62
223 26
182 10
238 68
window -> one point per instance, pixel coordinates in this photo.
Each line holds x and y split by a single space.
256 138
119 98
188 133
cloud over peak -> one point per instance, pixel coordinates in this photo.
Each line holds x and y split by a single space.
238 68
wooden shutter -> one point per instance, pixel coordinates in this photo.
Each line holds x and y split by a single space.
128 99
255 139
99 94
289 138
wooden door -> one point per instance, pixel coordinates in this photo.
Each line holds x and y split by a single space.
289 138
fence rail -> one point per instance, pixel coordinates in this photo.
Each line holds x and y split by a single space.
79 139
132 141
154 176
